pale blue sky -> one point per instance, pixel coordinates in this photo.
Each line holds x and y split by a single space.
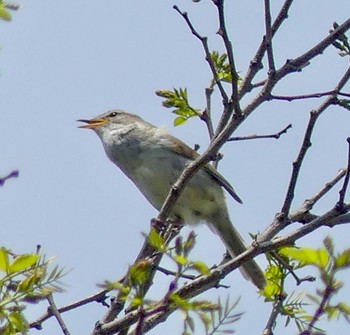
61 61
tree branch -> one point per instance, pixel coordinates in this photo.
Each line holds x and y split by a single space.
342 192
268 38
228 46
57 315
13 174
256 64
254 137
306 96
204 41
303 213
97 297
163 309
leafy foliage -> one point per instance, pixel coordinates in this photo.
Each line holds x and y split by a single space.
24 278
222 67
294 307
178 99
213 316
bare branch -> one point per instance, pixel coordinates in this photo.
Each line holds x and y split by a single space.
147 252
206 115
307 143
300 62
342 192
204 41
162 310
268 38
306 96
97 297
329 291
254 137
276 311
228 46
302 214
57 315
173 273
256 64
13 174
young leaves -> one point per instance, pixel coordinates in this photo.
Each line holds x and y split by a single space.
328 263
178 100
23 278
222 67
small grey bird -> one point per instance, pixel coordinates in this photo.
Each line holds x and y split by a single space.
153 160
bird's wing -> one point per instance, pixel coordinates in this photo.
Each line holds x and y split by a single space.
184 150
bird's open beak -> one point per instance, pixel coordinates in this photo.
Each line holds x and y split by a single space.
92 124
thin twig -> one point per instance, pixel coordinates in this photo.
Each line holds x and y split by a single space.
303 214
276 311
204 41
13 174
12 6
298 63
268 38
206 116
306 96
256 64
57 315
342 192
254 137
173 273
204 283
290 269
232 108
147 252
97 297
320 310
307 143
229 50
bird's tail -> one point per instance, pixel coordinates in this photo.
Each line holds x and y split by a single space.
235 246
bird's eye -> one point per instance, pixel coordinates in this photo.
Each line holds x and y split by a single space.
113 114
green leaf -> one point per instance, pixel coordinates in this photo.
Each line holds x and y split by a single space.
222 67
206 320
190 323
344 309
4 14
307 256
270 291
343 260
331 312
138 272
23 262
4 259
17 322
180 260
156 241
329 245
178 100
27 284
179 302
136 302
201 267
313 298
179 121
189 243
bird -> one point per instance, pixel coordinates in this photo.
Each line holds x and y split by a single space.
153 160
